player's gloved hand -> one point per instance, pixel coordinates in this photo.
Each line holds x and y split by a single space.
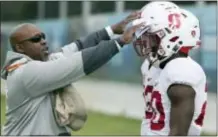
129 34
119 27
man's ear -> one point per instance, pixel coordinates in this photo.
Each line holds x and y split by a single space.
19 48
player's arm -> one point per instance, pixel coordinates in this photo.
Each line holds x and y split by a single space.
182 98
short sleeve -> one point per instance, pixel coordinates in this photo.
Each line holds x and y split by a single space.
186 72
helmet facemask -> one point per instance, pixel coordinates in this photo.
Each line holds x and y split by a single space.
147 43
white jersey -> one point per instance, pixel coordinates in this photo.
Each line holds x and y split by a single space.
156 81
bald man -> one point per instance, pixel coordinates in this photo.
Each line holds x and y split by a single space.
32 74
25 39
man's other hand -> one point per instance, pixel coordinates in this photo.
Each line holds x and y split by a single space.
129 34
119 27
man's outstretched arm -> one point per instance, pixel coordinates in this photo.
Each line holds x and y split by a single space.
95 38
41 77
106 33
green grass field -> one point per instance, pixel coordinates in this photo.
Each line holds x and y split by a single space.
101 124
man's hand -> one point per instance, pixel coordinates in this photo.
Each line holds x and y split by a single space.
129 34
119 27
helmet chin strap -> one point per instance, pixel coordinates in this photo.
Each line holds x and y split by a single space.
156 62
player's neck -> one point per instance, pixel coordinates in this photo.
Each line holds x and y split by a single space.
178 55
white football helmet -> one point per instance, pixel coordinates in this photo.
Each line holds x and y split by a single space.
168 29
193 26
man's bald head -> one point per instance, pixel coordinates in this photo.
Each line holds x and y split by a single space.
21 32
29 40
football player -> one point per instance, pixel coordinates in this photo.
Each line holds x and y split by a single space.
174 84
